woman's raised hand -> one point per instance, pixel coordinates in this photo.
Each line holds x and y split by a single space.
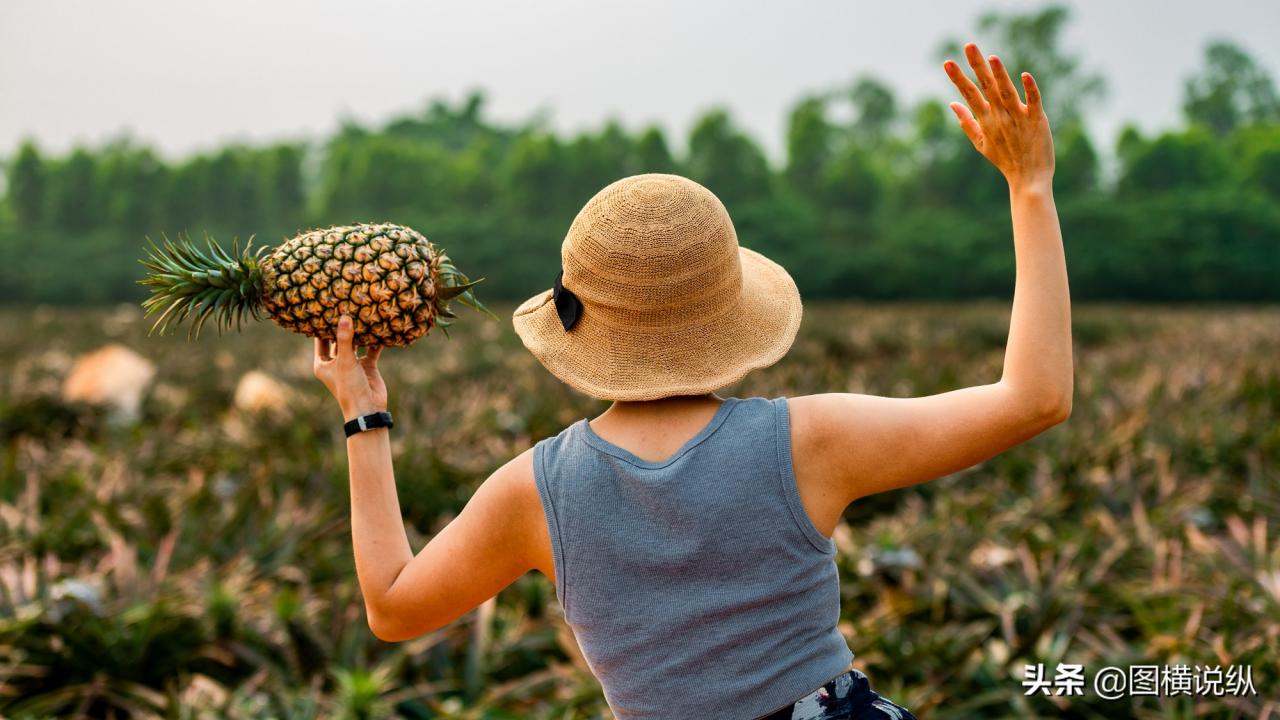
354 381
1014 136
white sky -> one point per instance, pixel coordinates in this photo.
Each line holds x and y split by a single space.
184 76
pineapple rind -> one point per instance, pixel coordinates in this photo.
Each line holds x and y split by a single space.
393 283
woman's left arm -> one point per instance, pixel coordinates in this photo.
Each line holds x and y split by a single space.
498 536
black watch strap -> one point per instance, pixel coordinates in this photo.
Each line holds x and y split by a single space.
368 422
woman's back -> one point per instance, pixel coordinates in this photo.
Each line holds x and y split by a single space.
698 584
700 570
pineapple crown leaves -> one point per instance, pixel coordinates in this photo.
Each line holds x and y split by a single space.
453 285
186 281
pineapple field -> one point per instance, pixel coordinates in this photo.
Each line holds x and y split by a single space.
174 537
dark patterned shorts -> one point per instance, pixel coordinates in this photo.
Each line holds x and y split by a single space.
845 697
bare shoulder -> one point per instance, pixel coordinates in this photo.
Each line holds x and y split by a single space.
850 445
518 473
816 452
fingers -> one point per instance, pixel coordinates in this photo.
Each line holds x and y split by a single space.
324 350
967 89
346 349
1033 93
968 124
1005 91
323 356
370 358
986 79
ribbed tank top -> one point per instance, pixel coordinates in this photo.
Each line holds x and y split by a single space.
696 577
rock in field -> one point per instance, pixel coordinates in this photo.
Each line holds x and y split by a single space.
113 376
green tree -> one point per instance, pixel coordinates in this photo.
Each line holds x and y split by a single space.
534 180
130 186
593 161
810 141
934 130
280 185
454 127
875 110
332 196
230 200
72 191
1231 91
851 184
728 162
1189 160
27 186
1076 169
1258 150
1129 143
874 199
653 154
185 201
392 173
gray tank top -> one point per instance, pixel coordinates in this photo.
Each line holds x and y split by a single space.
697 577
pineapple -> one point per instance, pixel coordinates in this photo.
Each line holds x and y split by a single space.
393 283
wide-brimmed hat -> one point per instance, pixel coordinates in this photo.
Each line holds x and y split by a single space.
656 298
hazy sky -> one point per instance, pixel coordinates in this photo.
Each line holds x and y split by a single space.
186 77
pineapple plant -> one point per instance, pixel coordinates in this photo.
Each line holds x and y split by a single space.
393 283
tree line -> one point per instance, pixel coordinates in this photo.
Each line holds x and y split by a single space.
874 199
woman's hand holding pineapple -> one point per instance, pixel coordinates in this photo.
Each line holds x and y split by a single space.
1014 136
354 381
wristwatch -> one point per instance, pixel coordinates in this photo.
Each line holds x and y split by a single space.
368 422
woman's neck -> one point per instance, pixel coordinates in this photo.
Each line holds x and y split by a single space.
662 407
654 429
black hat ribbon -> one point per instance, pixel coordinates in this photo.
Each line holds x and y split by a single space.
568 306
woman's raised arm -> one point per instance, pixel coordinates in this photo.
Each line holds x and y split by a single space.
849 445
1016 138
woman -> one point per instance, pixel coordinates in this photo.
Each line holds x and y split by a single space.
688 536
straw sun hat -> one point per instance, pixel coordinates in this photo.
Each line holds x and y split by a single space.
656 298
